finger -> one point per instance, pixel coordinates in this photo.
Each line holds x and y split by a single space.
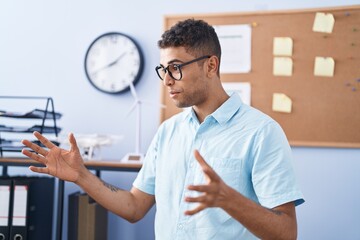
39 169
200 199
196 210
44 140
73 144
34 147
200 159
200 188
205 166
34 156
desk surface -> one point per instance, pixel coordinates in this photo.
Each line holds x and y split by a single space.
114 165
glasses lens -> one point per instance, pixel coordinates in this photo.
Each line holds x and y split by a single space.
160 70
175 71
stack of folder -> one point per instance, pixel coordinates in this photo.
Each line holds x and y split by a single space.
87 220
26 207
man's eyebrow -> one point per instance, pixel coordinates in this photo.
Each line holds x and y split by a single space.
173 61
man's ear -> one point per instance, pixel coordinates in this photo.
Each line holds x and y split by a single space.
212 66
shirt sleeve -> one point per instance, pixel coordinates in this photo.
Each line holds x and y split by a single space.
273 175
145 180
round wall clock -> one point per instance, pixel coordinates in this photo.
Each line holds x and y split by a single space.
113 61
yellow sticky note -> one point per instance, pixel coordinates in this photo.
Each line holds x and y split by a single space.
281 103
324 22
282 46
324 66
282 66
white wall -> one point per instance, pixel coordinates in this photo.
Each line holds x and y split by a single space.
42 49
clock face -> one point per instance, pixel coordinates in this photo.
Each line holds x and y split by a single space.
112 62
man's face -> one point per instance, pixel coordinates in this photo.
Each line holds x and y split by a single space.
192 88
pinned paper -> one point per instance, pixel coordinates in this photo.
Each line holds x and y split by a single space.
282 46
324 22
282 66
281 103
324 66
242 88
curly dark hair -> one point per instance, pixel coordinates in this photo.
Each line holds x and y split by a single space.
197 36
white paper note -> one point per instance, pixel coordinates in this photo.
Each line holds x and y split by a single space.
324 66
282 66
324 22
281 103
235 41
242 88
282 46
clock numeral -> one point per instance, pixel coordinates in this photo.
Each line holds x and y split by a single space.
91 63
95 52
94 75
104 42
136 62
113 87
114 39
133 74
133 50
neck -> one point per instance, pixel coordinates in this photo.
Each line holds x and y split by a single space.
205 109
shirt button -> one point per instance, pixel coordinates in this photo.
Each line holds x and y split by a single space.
180 226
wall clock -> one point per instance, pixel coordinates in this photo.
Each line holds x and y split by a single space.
113 61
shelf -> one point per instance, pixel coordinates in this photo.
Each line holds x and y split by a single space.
40 121
38 128
34 114
108 165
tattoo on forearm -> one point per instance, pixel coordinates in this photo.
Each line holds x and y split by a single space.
276 212
111 187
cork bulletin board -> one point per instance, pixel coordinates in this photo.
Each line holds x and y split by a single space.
325 110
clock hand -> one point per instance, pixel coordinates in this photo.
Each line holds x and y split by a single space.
110 64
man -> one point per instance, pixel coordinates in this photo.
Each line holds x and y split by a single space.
241 186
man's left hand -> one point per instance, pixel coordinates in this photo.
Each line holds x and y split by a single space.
213 193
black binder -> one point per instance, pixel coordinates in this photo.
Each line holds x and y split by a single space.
18 228
73 217
5 207
40 208
32 208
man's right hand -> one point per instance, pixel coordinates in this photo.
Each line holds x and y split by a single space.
61 163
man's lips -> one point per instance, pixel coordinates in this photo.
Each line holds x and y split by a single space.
173 93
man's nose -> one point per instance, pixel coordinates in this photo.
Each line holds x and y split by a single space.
168 80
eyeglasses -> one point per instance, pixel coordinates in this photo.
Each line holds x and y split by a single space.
174 70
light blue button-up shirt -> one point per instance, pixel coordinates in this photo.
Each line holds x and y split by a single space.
246 148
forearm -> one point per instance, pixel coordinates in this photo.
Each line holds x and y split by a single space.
116 200
278 223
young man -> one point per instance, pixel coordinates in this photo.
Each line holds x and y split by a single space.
241 186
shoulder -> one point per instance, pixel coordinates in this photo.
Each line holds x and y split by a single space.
254 118
172 124
176 119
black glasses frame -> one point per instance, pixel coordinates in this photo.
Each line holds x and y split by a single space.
178 66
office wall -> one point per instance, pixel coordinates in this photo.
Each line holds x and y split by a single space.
42 49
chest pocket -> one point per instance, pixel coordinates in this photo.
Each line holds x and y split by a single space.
229 170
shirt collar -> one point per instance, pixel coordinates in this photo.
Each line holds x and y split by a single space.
224 113
228 109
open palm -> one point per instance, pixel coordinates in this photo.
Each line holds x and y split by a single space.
61 163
